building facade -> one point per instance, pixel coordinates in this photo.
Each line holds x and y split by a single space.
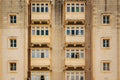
60 40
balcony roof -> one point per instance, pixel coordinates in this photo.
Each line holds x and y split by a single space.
74 0
40 0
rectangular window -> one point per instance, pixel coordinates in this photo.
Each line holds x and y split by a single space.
42 31
13 43
13 19
75 53
38 31
42 7
68 30
36 53
33 7
41 75
38 8
73 31
77 31
106 19
77 7
42 54
46 7
106 66
74 75
13 66
68 7
46 31
82 7
73 8
81 32
106 43
33 30
33 53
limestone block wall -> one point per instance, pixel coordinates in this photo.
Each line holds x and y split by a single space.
101 31
17 31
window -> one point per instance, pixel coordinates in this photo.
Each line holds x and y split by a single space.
68 7
40 7
46 31
106 19
76 7
73 8
81 31
13 19
40 31
75 53
82 7
40 75
74 75
37 31
36 53
106 66
13 66
68 31
46 7
13 43
33 7
33 30
106 43
73 31
76 31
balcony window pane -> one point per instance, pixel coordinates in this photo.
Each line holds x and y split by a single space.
73 8
38 8
42 31
77 7
81 32
42 7
33 7
46 8
68 7
82 7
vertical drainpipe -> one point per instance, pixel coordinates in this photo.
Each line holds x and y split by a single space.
118 73
29 40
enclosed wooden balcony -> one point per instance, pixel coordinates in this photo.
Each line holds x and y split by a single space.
74 34
40 10
40 39
75 62
35 62
74 10
40 57
75 56
40 34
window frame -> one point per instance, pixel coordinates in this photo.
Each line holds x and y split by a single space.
73 74
9 43
105 21
102 43
43 30
13 20
37 53
74 52
107 68
9 66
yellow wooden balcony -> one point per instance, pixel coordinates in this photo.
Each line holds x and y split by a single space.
75 16
75 39
40 16
40 39
37 62
75 62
